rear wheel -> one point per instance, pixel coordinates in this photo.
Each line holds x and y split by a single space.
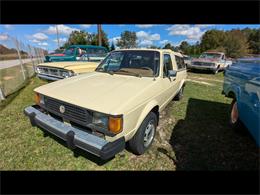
144 136
234 120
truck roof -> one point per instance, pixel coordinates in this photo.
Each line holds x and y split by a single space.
148 49
87 46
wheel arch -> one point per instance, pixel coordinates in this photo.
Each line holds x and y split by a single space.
152 106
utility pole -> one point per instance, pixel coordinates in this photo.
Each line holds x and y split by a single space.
99 34
58 40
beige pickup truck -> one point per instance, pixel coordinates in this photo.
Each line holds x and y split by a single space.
117 103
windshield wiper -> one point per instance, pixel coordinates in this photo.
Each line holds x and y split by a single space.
135 74
111 72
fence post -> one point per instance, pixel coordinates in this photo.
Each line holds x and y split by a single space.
19 55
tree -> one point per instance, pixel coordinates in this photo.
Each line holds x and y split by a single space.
212 39
236 44
253 38
184 46
169 46
104 39
154 47
127 40
78 38
112 47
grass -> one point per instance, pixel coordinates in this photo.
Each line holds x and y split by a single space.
193 134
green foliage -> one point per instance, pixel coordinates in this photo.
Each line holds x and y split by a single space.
253 37
85 38
184 46
212 39
236 44
104 39
168 46
154 47
128 40
78 38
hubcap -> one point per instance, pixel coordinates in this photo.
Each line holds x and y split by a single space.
234 113
149 133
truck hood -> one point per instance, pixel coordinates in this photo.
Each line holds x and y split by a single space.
205 60
101 92
58 58
69 65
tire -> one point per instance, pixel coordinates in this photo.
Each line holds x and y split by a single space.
216 71
179 95
234 120
137 144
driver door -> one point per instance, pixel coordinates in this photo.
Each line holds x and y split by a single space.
169 82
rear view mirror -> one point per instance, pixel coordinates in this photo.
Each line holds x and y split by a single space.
172 73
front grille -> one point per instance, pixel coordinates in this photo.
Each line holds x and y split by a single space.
203 63
72 112
51 71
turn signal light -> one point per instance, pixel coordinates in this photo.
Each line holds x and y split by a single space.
37 98
115 124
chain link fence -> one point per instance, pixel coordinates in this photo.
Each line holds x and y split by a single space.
17 64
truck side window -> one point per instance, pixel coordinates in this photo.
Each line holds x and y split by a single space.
167 64
180 63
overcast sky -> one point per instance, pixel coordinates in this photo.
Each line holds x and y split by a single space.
44 36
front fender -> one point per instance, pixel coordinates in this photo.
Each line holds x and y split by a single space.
147 109
234 89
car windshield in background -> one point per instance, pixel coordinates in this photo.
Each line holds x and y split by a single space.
136 63
69 52
210 55
96 52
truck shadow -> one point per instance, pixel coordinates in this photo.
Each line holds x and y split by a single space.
204 140
77 152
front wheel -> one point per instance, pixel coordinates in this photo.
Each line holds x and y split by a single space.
179 95
144 136
216 71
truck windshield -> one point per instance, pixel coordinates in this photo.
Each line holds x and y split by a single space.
69 51
210 55
135 62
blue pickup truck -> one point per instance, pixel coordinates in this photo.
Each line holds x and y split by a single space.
242 83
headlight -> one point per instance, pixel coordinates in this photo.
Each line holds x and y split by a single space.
38 70
67 74
111 123
100 119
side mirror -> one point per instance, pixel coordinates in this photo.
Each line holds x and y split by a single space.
172 73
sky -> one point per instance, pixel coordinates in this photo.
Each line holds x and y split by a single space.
44 36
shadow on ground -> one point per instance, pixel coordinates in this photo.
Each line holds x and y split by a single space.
204 140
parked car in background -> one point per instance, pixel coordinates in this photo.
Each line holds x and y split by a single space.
242 83
117 103
187 60
53 71
63 65
77 52
211 60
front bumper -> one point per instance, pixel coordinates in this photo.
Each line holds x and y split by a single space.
74 136
213 68
48 77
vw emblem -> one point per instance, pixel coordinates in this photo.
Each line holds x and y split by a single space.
62 109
